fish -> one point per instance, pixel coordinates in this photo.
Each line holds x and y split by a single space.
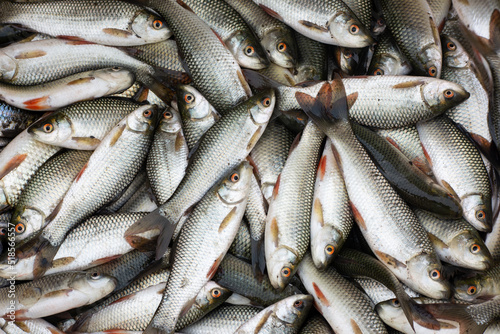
378 292
269 155
196 112
287 234
456 241
83 125
107 172
479 286
102 21
124 196
57 293
416 34
31 326
143 200
239 131
44 191
311 65
237 275
242 243
413 260
381 101
285 316
458 166
413 185
331 22
168 157
331 217
316 324
348 59
346 308
74 88
14 120
276 38
225 203
232 29
439 10
285 76
388 59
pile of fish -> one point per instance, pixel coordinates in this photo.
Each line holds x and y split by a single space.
239 166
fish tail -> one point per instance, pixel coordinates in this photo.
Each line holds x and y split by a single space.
328 107
44 257
458 313
154 220
258 258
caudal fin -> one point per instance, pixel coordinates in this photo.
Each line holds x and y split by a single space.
44 257
458 313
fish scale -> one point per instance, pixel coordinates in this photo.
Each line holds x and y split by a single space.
289 214
14 120
316 325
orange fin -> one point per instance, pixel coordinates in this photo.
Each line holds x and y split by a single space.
117 135
255 138
357 216
117 32
80 173
313 26
427 156
124 298
78 42
322 167
274 231
37 104
351 99
62 261
70 38
320 295
105 259
276 188
355 327
228 219
392 142
214 267
389 260
30 54
80 81
409 84
13 164
318 210
271 12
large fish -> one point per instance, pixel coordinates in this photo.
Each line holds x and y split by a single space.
222 148
214 222
389 226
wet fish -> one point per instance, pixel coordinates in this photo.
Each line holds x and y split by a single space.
378 292
44 191
13 120
275 37
119 201
39 326
225 204
286 316
458 166
331 218
377 208
316 325
439 10
478 287
81 126
287 234
416 34
223 147
330 22
285 76
388 59
143 200
107 172
103 21
168 157
60 93
311 64
346 308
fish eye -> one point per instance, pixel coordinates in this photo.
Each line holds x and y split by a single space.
329 249
475 248
471 290
281 47
378 71
354 29
286 272
380 22
451 46
216 293
266 102
3 231
116 68
147 113
249 50
395 303
432 71
95 275
157 24
235 177
167 114
449 94
298 304
348 54
188 98
48 128
20 228
435 274
480 214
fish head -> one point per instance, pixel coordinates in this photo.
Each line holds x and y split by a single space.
430 60
54 128
294 309
441 95
281 47
247 50
8 67
94 284
234 188
425 271
281 267
454 55
477 211
470 249
211 295
261 106
27 221
150 27
192 105
471 287
116 78
143 119
170 121
325 245
347 58
391 313
388 64
349 32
